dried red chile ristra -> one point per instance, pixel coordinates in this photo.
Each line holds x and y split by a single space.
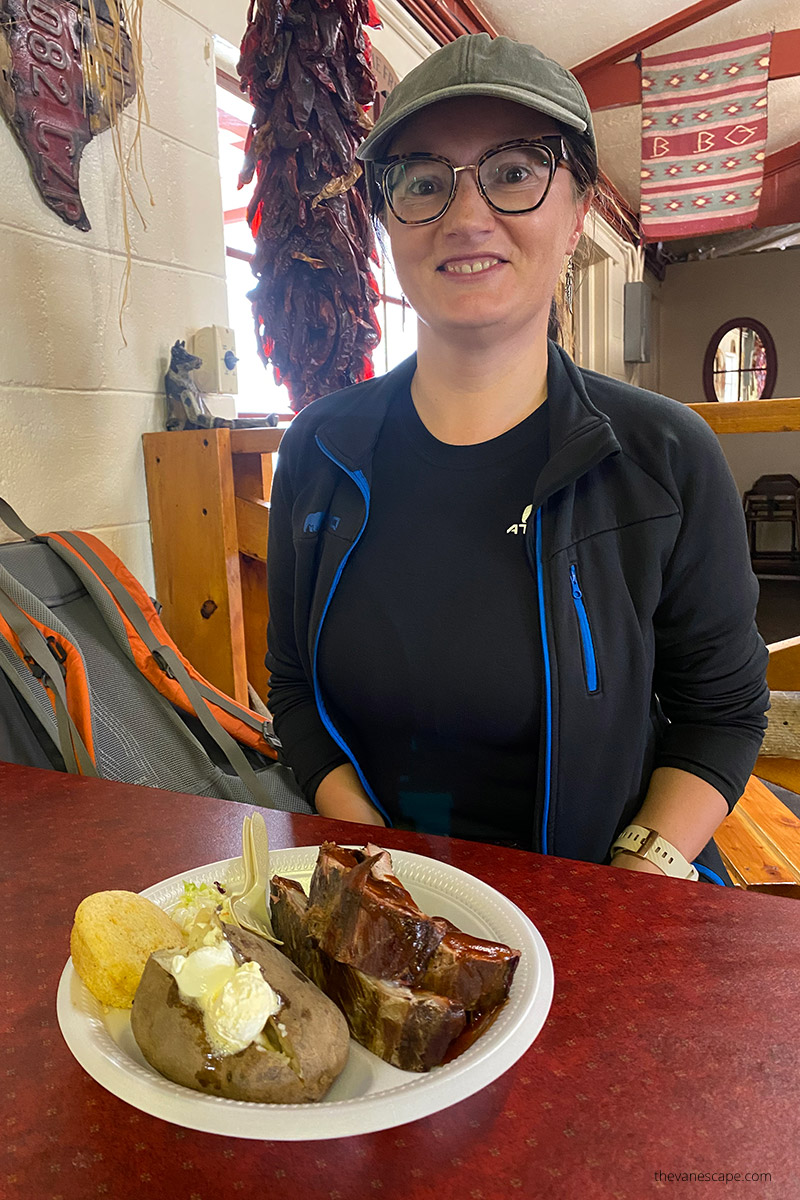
306 68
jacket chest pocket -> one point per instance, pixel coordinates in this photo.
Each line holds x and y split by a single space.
590 671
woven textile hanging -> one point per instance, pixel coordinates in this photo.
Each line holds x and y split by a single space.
704 132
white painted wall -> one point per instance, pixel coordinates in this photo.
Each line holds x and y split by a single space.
74 400
604 264
698 297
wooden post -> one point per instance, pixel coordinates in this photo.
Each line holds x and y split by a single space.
190 492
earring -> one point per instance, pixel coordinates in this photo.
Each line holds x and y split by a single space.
569 283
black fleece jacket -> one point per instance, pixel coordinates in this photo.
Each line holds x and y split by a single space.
656 662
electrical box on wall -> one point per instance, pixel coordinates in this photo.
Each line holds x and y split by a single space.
637 323
216 345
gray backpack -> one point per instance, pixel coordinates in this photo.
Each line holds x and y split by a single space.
90 682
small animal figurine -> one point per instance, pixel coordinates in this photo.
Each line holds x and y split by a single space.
186 408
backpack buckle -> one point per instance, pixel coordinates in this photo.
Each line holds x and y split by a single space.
162 663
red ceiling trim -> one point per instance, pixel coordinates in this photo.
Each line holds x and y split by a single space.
789 156
620 84
780 196
784 60
655 33
445 20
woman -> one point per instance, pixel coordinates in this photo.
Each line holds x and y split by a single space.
510 599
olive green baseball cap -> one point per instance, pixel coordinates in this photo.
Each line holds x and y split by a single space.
478 65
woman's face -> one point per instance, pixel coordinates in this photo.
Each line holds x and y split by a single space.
525 251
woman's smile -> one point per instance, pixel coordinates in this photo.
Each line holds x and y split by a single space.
466 268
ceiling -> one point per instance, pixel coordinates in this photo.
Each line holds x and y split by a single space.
596 25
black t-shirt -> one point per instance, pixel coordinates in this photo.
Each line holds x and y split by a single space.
430 658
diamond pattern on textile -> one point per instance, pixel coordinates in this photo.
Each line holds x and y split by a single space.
697 106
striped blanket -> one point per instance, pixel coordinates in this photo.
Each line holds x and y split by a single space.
704 132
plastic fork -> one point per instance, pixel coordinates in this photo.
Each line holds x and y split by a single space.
249 907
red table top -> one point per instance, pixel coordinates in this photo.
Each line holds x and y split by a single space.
671 1045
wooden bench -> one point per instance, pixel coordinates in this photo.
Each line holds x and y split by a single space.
760 843
760 840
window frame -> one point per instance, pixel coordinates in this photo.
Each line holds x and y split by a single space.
768 342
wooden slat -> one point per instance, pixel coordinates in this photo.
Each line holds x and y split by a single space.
264 440
252 520
773 821
752 416
252 476
195 551
256 615
751 859
785 772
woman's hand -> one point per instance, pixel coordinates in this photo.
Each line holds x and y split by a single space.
341 797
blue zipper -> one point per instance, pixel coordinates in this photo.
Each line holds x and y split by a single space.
589 658
548 683
360 481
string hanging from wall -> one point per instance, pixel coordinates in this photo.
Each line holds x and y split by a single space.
306 68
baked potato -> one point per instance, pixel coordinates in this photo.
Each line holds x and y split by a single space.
302 1050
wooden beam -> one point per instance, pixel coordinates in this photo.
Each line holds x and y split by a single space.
445 20
618 85
655 33
752 416
784 61
780 194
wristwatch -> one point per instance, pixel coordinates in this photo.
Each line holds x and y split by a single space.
649 844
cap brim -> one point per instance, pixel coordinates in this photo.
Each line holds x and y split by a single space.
374 146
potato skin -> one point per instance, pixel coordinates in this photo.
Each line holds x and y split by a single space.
170 1034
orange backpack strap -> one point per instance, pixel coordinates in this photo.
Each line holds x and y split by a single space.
28 638
166 656
147 635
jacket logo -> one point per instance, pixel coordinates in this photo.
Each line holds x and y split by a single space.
314 520
523 523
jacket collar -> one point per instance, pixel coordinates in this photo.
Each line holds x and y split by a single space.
580 435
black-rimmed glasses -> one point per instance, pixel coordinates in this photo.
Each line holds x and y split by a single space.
512 178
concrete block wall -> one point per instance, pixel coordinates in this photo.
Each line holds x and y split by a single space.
74 399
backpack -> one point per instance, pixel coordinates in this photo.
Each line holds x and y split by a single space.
92 683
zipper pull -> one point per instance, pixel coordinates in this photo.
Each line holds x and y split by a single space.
573 574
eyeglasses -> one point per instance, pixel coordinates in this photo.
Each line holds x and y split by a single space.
512 178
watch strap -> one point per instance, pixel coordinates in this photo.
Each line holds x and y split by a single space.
649 844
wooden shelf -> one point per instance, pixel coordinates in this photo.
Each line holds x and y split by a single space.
752 416
265 440
208 492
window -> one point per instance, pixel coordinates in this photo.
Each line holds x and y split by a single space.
258 392
740 362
